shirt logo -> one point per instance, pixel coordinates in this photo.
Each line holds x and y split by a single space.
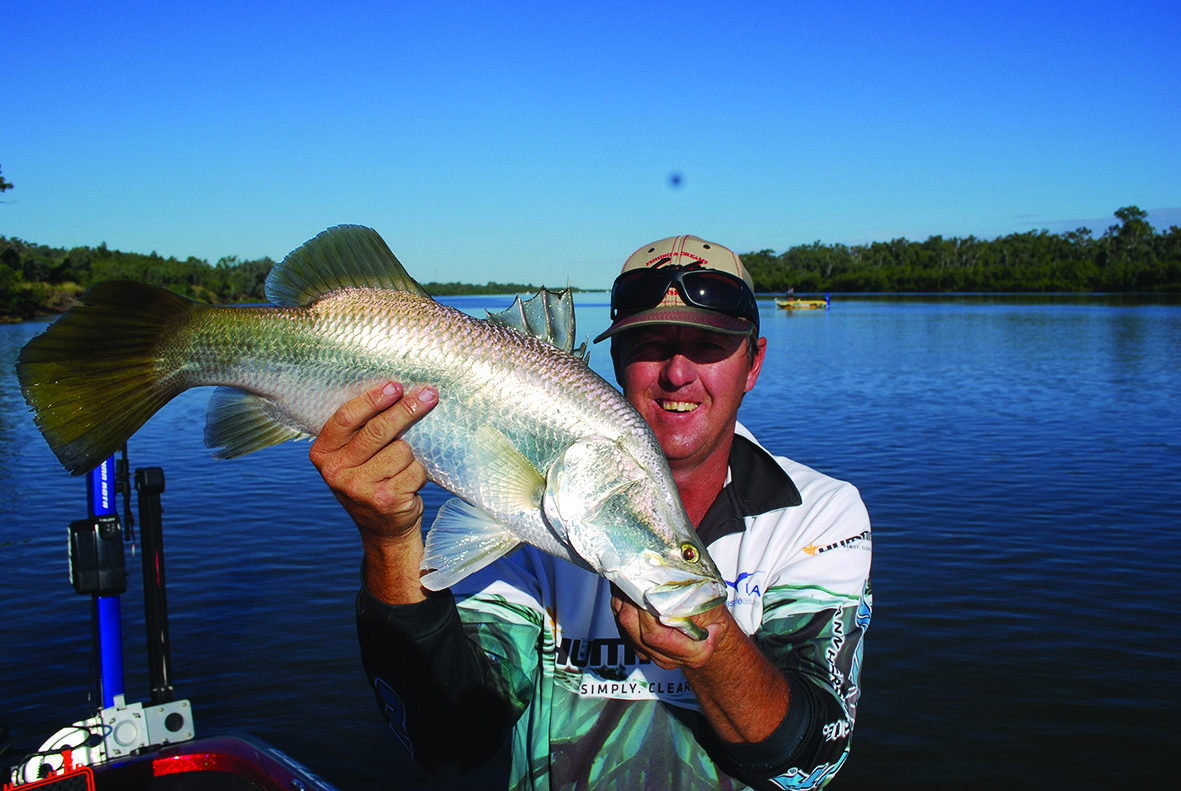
606 667
861 540
747 589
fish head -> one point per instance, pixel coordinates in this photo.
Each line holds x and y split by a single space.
625 520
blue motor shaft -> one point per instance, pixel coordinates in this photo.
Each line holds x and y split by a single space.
107 616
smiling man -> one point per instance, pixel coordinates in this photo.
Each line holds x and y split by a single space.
594 690
686 347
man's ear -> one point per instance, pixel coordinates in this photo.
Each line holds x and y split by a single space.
756 365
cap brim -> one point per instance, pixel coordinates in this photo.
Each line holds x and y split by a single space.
681 316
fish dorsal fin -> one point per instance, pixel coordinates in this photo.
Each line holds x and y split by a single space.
347 256
237 423
547 315
462 539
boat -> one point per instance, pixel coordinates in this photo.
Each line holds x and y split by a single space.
129 746
791 303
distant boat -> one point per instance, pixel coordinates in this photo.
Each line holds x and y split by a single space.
791 303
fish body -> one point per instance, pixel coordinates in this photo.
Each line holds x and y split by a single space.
538 448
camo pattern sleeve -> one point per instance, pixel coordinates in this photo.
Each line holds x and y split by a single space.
434 686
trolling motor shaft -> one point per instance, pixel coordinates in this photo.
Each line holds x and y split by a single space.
149 485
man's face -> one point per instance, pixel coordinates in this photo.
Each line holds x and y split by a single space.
688 384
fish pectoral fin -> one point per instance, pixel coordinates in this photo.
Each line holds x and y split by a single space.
514 484
238 422
462 540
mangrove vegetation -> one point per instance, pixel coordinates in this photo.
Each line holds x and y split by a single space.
1129 256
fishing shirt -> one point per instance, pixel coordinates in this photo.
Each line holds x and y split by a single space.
529 645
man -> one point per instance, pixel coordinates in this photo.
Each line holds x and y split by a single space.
595 691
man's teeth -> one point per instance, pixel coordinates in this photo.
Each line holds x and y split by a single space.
678 406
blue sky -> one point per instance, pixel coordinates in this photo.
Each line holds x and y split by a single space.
536 142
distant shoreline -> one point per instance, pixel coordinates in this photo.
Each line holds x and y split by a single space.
1129 257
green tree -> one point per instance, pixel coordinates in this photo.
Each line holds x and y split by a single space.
1134 227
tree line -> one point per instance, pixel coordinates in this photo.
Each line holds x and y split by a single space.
38 280
1130 256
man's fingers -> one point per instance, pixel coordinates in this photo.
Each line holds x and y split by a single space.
386 426
372 420
663 645
353 414
373 474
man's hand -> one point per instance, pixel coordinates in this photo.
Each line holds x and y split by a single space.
665 646
374 475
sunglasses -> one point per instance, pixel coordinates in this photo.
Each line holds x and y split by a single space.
641 289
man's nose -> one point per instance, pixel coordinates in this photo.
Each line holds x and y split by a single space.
678 371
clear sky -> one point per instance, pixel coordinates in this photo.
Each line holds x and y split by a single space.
538 142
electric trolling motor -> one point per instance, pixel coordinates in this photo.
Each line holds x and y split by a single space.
98 569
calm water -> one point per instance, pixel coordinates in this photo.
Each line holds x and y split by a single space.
1020 458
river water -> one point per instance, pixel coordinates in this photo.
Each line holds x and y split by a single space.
1020 457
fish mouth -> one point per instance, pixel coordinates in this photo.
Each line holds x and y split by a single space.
686 598
673 592
674 603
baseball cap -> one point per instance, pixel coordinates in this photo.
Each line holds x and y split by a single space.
704 284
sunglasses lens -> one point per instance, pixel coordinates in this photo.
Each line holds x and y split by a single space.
722 292
713 290
645 288
638 290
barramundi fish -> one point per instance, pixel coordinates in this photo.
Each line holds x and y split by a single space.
537 447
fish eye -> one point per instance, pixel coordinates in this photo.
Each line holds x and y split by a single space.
690 553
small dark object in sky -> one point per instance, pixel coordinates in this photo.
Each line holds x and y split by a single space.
674 180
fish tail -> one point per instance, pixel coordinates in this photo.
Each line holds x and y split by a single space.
95 376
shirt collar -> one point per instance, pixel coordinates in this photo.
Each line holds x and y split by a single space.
756 484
